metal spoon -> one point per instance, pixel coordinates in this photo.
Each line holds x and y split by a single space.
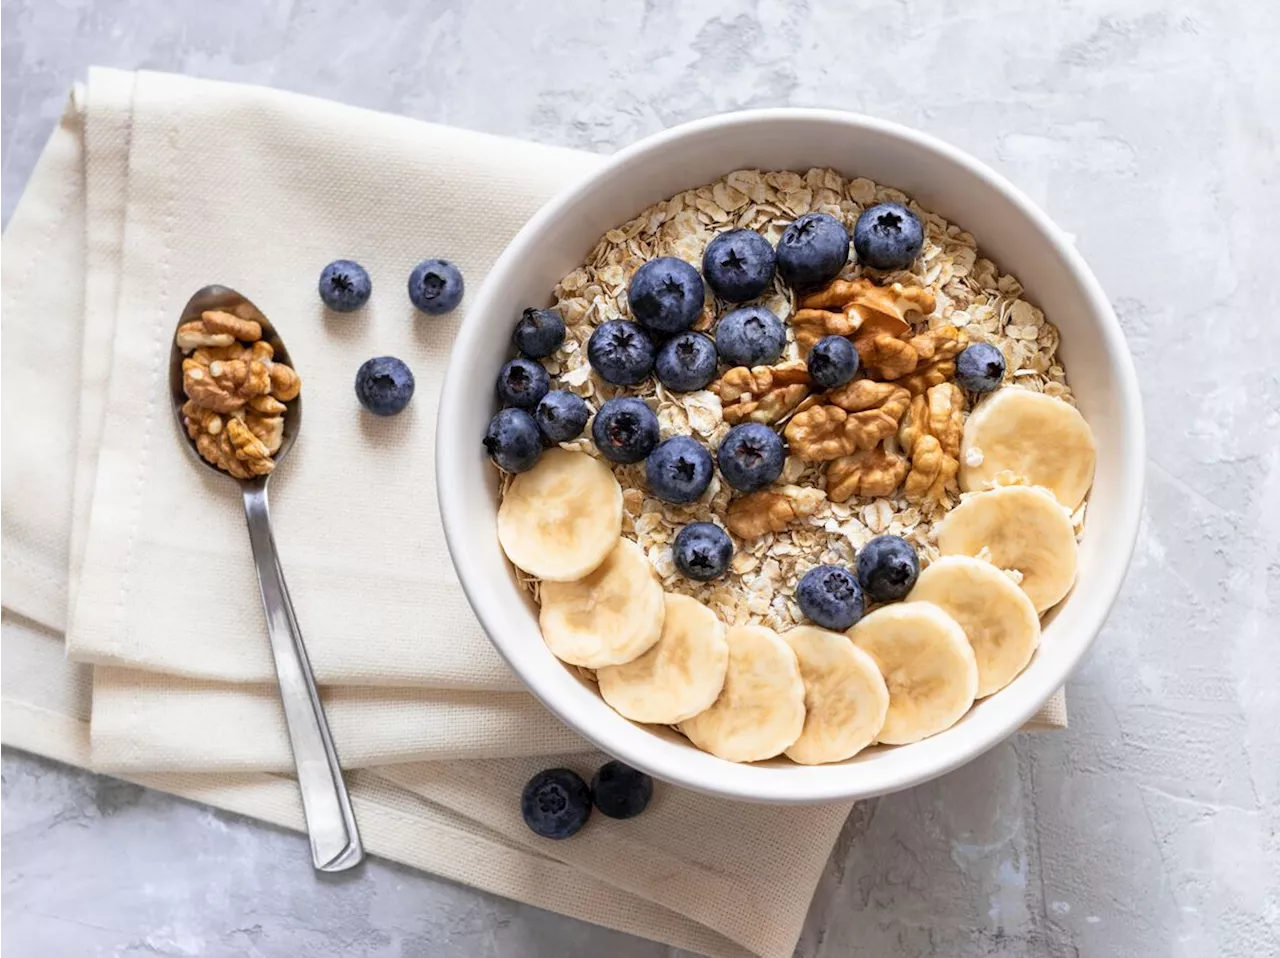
331 823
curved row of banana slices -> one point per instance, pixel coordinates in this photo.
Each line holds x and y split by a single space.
747 693
903 673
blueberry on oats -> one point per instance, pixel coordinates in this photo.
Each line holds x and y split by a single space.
887 236
812 251
702 551
539 333
739 265
666 295
625 430
750 336
523 383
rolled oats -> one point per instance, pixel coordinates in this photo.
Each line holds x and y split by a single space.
968 301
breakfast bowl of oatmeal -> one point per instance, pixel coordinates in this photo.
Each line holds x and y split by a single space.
793 456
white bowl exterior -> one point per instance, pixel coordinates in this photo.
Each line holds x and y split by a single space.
1010 230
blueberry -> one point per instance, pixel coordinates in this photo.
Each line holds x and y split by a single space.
813 250
830 596
513 441
523 383
702 551
666 295
686 361
887 568
980 368
435 286
344 286
679 469
561 415
739 265
621 791
750 336
750 456
539 333
625 430
887 236
384 385
832 362
555 803
620 352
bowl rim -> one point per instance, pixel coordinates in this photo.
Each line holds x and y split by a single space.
457 388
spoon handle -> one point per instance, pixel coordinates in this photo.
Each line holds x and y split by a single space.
331 823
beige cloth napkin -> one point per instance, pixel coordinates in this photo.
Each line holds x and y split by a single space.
713 877
151 187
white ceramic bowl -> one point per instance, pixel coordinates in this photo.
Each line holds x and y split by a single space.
1009 229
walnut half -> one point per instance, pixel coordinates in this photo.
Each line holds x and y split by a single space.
870 473
917 363
859 308
227 442
930 435
762 393
860 415
217 328
771 510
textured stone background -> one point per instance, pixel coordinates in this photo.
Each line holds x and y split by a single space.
1149 130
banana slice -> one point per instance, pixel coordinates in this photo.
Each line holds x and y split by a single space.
1044 440
1022 528
611 616
927 663
845 698
760 710
677 678
561 518
997 617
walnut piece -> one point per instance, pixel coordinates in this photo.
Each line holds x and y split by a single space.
877 407
871 473
225 385
268 428
217 328
771 510
919 362
285 383
199 420
930 374
885 356
762 393
930 435
811 325
861 414
229 443
859 308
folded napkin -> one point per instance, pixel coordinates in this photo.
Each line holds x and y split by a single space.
713 877
115 544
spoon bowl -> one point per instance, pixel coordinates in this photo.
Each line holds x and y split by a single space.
331 823
228 300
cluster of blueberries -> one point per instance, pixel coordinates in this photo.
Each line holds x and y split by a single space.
666 297
556 802
384 384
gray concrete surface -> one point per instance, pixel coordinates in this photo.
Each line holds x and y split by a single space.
1149 130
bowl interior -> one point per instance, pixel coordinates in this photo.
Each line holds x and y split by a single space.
1009 230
